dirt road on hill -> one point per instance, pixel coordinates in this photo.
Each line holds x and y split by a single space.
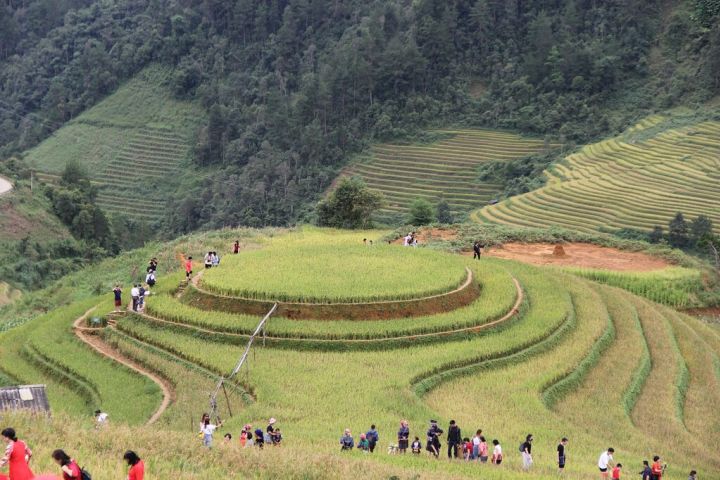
5 185
89 336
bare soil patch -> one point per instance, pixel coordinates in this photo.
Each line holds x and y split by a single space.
431 235
582 255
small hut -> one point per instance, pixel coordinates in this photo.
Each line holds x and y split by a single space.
32 398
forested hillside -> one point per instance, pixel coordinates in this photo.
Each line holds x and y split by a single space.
292 87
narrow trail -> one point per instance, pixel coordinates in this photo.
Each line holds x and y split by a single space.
520 297
89 336
5 185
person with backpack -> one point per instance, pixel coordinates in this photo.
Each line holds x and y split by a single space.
137 467
150 279
526 450
70 469
373 437
17 456
454 438
346 441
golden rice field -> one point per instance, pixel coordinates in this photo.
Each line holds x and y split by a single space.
540 351
639 179
445 169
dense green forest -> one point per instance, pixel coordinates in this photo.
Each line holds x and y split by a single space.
293 87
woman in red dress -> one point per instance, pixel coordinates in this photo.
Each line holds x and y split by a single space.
137 467
17 456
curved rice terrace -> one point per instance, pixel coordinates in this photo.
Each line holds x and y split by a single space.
535 352
444 169
637 180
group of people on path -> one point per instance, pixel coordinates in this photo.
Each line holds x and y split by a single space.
18 455
139 291
248 437
478 449
212 259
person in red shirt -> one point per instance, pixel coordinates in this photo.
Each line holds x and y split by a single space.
69 467
616 471
657 468
17 455
188 267
137 467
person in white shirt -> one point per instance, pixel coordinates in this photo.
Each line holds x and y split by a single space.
208 429
497 457
407 240
101 419
476 445
135 294
604 462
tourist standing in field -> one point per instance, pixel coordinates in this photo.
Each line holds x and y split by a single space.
454 438
346 441
617 471
141 297
363 444
605 461
117 293
69 467
433 438
646 471
526 449
137 467
693 475
17 456
259 438
561 454
483 449
208 430
208 260
188 267
476 444
476 250
497 457
657 468
403 436
272 433
215 259
135 294
373 437
236 247
150 279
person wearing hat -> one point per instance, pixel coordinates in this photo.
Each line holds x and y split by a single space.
433 438
272 434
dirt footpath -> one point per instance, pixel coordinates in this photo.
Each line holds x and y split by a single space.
582 255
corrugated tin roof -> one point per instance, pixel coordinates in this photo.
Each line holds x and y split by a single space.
24 397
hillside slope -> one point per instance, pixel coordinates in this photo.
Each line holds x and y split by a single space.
533 347
136 145
640 179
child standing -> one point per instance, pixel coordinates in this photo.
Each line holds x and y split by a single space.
188 267
467 449
616 471
363 444
483 450
497 457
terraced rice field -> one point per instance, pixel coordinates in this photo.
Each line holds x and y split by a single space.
538 351
637 180
135 146
444 169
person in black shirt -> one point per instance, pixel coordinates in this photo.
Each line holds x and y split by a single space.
476 250
526 449
433 438
454 438
561 453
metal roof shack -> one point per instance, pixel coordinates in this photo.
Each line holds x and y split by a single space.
24 397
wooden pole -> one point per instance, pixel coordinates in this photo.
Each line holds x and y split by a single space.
227 399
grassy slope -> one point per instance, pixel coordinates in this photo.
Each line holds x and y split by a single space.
133 144
359 387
